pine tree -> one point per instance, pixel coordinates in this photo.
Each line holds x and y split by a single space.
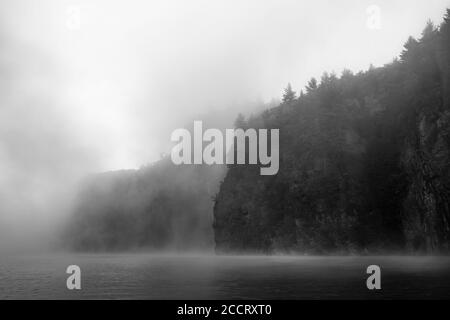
444 58
240 122
429 31
312 85
289 94
302 94
410 48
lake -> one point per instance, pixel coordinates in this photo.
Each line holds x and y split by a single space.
150 276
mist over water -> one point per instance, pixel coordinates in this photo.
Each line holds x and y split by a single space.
41 157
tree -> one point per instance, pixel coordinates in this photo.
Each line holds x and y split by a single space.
289 94
312 85
444 58
302 94
346 74
410 49
429 31
240 122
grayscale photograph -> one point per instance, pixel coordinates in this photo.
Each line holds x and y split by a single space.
214 153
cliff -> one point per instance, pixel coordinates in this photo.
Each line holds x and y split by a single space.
364 163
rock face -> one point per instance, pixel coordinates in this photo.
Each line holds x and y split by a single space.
159 207
364 164
426 159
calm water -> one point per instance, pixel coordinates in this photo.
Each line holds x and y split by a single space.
146 276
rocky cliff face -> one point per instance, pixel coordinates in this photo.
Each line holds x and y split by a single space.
427 205
364 164
315 204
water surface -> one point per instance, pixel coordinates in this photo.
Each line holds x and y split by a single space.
147 276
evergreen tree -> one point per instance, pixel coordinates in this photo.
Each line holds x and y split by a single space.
289 94
410 48
312 85
444 58
429 31
240 122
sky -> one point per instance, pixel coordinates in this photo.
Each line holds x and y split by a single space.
89 86
129 72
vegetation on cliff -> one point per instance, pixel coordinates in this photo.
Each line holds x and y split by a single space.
364 163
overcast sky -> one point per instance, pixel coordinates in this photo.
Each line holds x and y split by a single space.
97 85
123 70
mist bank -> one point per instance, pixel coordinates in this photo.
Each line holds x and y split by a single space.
364 163
160 207
41 155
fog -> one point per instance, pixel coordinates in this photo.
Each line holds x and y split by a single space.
90 86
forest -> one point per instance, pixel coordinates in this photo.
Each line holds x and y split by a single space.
364 163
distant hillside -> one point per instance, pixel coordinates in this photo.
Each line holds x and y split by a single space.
158 207
364 163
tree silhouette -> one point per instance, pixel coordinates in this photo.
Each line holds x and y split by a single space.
289 94
240 122
312 85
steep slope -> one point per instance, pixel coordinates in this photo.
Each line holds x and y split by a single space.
364 163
